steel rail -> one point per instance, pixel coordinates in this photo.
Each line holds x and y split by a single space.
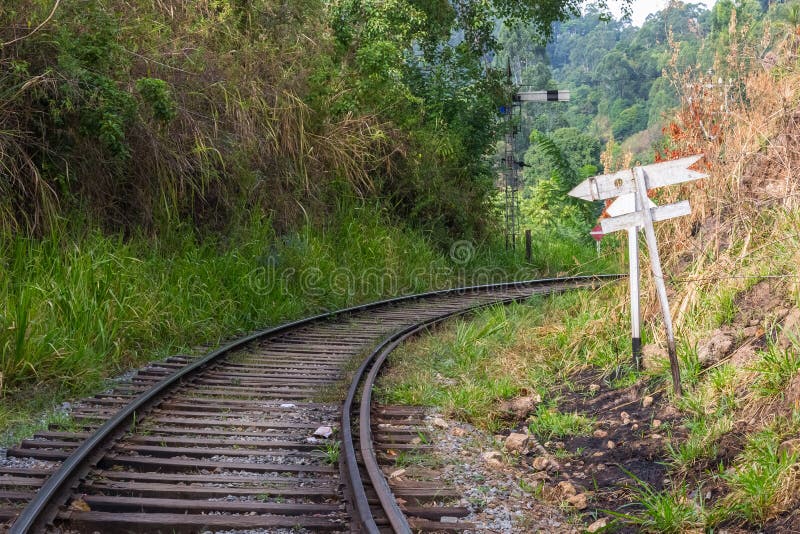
394 514
43 508
373 363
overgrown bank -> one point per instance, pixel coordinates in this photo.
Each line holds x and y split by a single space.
78 310
141 115
725 455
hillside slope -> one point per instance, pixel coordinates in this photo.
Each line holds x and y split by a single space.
726 454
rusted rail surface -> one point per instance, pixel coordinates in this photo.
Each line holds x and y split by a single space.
227 442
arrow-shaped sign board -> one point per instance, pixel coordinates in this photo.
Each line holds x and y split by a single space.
625 204
637 218
621 183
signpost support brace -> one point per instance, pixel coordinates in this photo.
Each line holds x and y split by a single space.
633 279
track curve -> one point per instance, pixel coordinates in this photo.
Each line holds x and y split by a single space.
228 442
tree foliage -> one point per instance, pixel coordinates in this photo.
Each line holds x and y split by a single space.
619 92
547 206
614 72
611 68
142 113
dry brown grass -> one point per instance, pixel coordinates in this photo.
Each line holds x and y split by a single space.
749 130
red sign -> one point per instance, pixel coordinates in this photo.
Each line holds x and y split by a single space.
597 233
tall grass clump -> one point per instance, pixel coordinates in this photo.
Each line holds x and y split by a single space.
669 512
776 367
76 310
549 423
764 482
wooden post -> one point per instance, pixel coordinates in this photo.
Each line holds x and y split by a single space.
528 246
658 277
633 280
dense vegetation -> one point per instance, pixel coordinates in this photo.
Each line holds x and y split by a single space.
143 114
625 82
159 160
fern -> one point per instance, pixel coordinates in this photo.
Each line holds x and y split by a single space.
564 211
563 173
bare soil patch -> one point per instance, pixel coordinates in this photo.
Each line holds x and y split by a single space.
628 443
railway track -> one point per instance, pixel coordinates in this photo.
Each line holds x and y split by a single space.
240 440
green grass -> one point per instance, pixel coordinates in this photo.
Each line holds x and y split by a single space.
709 403
469 366
688 363
723 379
556 253
459 373
412 458
761 482
701 443
331 451
535 489
548 423
669 512
724 306
77 308
776 367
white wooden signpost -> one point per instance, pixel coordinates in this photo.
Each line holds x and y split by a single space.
628 213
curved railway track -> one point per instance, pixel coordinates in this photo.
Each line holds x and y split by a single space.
227 442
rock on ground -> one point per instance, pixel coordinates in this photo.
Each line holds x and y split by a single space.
715 348
653 357
516 442
520 407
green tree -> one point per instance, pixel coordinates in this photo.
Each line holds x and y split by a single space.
629 121
610 67
545 204
422 65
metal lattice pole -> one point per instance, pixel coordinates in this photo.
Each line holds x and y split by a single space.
510 180
511 167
